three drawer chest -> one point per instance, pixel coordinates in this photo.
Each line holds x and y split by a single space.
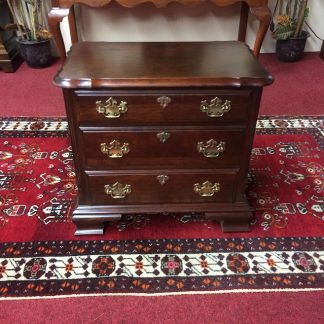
161 127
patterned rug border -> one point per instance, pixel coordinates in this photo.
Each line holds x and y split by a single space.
59 124
161 266
195 245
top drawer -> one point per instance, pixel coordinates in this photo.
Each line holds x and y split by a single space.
162 107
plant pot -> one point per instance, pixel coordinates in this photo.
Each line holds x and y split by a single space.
37 54
291 49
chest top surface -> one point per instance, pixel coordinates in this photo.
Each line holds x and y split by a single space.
92 65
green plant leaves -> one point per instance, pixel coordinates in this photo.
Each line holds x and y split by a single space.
296 12
284 32
28 16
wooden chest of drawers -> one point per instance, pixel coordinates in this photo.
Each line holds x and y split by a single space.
161 127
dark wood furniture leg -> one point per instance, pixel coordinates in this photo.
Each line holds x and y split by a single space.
264 15
72 25
232 222
243 22
92 224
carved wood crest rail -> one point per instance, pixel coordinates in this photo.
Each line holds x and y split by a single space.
63 8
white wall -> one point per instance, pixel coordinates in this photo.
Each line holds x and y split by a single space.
178 23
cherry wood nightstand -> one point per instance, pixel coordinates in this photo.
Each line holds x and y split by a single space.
161 127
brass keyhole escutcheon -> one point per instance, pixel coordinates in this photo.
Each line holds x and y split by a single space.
164 101
162 179
163 136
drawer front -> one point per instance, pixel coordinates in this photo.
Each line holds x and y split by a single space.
162 148
159 187
169 107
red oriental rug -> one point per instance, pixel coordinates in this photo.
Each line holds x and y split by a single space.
42 257
38 191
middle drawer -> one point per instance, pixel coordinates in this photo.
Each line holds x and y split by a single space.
161 148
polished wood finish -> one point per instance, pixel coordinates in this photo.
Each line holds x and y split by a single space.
64 8
134 65
146 151
146 189
143 107
93 224
243 22
163 89
72 26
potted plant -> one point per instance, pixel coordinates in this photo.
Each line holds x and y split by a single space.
33 38
288 32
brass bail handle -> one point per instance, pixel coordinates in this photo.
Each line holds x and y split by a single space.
114 150
216 108
110 108
211 149
118 190
206 189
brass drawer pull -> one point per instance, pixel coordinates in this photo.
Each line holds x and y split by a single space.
117 190
162 179
207 189
211 149
215 108
114 150
163 137
110 108
164 101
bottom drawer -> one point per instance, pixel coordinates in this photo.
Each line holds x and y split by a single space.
159 187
